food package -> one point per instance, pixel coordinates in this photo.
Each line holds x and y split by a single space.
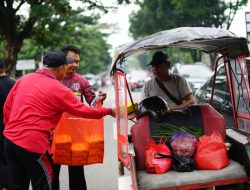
79 153
130 107
78 141
183 144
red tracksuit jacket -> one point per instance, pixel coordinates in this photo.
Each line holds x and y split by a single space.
34 107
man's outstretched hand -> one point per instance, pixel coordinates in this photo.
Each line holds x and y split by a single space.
113 114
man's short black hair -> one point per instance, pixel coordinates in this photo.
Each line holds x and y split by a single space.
2 64
72 48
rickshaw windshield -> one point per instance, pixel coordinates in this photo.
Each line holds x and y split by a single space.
238 74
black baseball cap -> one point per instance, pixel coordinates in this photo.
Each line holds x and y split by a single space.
56 58
158 58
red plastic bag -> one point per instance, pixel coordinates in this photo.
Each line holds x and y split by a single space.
154 165
78 141
211 152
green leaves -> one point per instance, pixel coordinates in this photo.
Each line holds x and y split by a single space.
26 26
158 15
67 26
167 130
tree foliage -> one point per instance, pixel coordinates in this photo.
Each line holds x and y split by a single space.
82 31
49 23
162 15
158 15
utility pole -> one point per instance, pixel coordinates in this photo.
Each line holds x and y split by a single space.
42 53
247 15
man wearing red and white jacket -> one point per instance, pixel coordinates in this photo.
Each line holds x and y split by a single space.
32 109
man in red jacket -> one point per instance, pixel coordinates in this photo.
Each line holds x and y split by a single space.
32 109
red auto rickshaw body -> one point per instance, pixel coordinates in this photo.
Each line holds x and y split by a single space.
232 50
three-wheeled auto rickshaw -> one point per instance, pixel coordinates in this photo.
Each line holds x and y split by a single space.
231 51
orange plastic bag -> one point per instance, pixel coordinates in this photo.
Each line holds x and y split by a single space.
211 152
78 141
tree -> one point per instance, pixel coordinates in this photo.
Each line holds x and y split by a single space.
152 17
19 18
82 31
162 15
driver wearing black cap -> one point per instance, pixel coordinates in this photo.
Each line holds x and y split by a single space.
173 88
32 109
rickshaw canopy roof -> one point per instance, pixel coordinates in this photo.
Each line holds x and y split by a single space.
208 40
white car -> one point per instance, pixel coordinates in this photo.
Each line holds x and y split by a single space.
195 74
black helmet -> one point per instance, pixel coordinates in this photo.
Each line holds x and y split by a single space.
155 106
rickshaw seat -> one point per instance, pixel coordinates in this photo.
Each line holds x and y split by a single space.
234 173
203 115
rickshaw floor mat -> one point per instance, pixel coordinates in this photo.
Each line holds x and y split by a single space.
172 178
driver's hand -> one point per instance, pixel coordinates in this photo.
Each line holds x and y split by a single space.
131 115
